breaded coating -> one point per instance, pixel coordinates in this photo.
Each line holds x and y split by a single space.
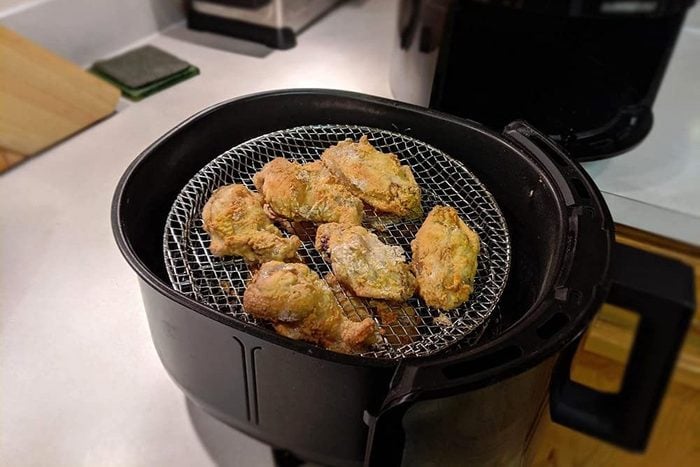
377 178
365 265
307 192
302 306
237 225
445 253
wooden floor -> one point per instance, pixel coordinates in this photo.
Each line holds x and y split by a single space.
599 363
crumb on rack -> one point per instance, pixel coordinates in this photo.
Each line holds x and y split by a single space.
378 226
387 316
442 319
228 289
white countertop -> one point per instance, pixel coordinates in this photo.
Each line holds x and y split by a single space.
80 381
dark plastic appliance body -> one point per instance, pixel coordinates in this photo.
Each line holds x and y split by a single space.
584 72
348 411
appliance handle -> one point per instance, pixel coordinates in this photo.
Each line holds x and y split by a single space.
660 291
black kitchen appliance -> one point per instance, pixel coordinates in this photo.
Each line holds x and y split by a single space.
584 72
479 399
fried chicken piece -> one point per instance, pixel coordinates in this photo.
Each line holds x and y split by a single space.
237 224
364 264
445 253
398 321
306 192
377 178
302 306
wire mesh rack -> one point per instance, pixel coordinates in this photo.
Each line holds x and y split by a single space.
413 329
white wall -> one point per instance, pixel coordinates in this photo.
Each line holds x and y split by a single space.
86 30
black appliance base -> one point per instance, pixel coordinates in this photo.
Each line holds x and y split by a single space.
585 76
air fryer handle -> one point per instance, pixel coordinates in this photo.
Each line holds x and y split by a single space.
661 292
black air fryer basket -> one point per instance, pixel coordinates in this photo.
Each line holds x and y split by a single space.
353 410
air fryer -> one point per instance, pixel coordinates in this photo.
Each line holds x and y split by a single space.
473 403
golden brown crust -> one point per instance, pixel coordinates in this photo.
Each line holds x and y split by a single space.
302 306
445 253
307 192
377 178
364 264
234 218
